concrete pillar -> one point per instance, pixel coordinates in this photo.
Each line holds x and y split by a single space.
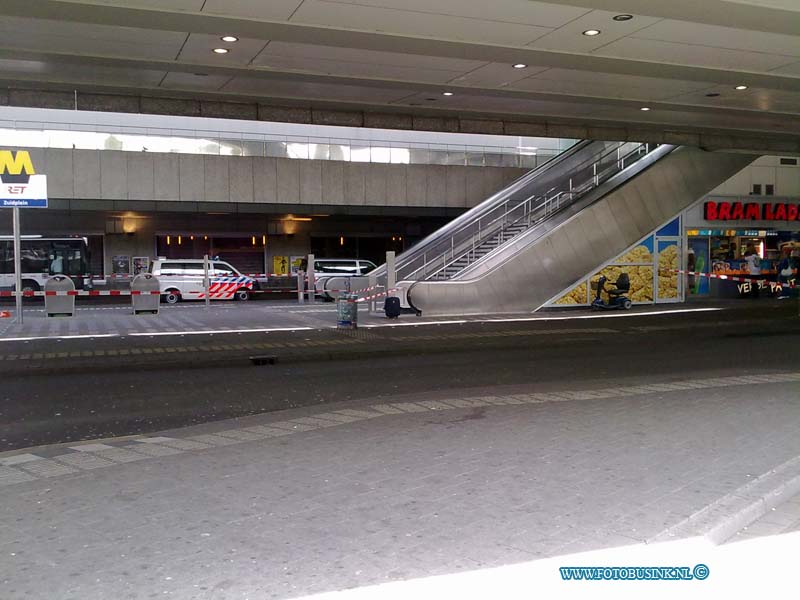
312 286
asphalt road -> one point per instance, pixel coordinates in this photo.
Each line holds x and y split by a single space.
125 397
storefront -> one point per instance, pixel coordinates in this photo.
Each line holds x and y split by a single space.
720 231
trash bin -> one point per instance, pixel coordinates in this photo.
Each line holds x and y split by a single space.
59 304
347 311
143 299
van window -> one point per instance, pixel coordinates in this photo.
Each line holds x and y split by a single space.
171 269
330 266
223 269
193 269
366 266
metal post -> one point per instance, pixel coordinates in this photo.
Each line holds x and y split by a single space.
17 265
301 280
372 282
312 284
206 281
391 273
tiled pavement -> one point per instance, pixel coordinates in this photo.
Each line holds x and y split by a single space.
311 500
784 518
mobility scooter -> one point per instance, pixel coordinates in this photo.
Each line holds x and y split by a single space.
616 296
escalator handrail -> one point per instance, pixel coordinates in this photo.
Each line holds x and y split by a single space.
447 233
483 207
491 233
625 175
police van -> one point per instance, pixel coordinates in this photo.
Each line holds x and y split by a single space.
182 279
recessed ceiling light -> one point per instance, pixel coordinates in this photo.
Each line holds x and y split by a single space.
229 38
447 93
221 50
520 66
645 108
623 17
591 32
741 87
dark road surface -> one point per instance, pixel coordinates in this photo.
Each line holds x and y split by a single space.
125 397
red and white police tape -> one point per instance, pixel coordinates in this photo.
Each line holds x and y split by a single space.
32 293
763 282
378 295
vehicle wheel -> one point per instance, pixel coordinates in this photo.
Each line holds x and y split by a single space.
28 285
242 295
172 296
626 304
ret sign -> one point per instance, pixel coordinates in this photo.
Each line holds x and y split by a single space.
20 186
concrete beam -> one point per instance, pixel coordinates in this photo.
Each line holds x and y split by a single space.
388 121
109 103
284 114
336 113
229 110
337 117
481 126
171 106
41 99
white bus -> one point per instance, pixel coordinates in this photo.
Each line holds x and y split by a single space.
43 257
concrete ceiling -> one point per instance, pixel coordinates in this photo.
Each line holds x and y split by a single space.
682 59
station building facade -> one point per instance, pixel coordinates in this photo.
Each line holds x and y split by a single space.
257 194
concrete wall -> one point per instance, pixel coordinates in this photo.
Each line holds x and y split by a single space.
97 175
765 170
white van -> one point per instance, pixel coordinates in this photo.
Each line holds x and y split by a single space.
182 279
342 267
327 268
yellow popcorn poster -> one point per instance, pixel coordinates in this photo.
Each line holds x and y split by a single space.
652 267
668 264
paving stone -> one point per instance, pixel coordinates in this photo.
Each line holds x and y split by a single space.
84 460
153 449
46 468
10 476
213 440
121 455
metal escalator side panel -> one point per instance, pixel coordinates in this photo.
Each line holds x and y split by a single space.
468 238
581 242
499 255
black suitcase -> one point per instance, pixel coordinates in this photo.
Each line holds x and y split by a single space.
392 307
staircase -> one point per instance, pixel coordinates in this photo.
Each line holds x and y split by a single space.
474 254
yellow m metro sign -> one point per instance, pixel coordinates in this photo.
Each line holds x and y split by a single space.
20 186
15 166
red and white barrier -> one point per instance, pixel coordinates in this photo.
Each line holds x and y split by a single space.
378 295
32 294
792 283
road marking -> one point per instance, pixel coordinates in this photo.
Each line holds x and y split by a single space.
527 319
218 331
61 337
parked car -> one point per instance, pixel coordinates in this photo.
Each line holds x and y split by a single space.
182 279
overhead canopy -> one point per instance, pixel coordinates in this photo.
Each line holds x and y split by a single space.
440 65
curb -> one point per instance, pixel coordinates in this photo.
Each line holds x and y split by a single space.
721 520
283 356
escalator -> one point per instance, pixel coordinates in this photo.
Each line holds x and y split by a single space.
532 240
